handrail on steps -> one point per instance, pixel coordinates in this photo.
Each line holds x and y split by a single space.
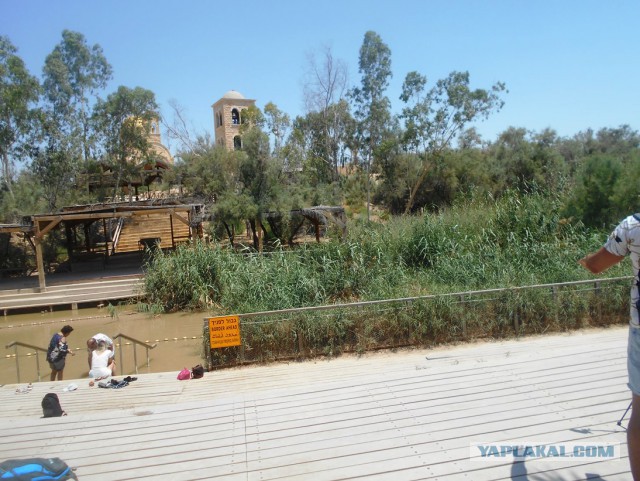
15 345
135 342
38 349
116 235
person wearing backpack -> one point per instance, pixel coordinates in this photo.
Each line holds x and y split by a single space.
57 352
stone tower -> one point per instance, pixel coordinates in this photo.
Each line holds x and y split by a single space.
227 117
157 146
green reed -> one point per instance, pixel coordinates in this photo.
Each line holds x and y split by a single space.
517 241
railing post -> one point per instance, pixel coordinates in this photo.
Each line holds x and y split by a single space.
15 352
121 364
464 319
135 357
38 366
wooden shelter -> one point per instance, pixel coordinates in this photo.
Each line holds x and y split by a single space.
162 224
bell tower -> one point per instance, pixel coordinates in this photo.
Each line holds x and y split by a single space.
227 117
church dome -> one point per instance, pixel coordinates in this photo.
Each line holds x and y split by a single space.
232 94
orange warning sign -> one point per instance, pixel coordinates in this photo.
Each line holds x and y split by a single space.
224 331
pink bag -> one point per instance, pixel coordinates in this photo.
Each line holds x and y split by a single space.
184 374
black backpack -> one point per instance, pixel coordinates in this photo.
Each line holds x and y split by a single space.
197 372
51 406
36 469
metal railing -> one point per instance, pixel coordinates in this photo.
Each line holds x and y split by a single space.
462 296
15 345
38 350
135 343
116 235
270 343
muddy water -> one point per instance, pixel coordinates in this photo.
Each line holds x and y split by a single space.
178 338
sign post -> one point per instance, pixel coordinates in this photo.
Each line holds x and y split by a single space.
224 331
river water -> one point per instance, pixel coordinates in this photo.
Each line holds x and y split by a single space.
178 338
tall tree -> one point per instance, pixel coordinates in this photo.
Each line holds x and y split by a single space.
278 124
19 90
74 75
327 110
433 118
324 140
372 108
124 120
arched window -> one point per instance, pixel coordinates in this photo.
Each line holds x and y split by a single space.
235 117
237 142
219 119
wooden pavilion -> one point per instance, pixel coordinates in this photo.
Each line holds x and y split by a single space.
99 231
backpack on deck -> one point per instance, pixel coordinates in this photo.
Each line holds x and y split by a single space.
36 469
50 407
197 372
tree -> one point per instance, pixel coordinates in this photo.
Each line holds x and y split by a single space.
433 118
211 174
327 110
529 161
179 130
591 198
278 124
372 108
324 146
74 74
124 121
19 90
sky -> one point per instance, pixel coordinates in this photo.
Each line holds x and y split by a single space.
568 65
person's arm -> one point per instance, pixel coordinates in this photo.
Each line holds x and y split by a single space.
599 261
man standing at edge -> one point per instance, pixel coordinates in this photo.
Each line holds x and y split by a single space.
625 241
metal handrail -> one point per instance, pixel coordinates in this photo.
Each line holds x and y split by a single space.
116 236
409 300
15 345
135 342
38 349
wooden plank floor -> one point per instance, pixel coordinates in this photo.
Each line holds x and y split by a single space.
408 415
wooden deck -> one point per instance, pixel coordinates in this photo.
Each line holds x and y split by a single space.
70 290
399 416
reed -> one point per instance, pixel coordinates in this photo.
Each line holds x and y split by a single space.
517 241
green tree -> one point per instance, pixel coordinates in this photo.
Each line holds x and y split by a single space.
435 117
328 121
529 160
372 109
124 120
323 144
591 199
278 123
74 74
19 91
210 174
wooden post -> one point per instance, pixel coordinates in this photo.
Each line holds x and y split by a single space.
40 265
